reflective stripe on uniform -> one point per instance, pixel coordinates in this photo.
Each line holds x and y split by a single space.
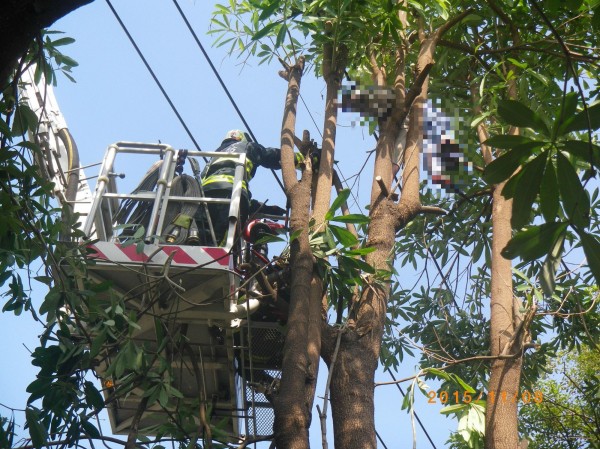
228 162
222 178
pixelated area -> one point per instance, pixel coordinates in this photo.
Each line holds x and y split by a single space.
371 102
444 158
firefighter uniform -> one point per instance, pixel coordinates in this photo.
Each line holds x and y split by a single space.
218 176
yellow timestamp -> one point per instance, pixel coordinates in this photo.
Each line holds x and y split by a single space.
465 397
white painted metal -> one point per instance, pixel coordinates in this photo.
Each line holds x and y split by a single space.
42 101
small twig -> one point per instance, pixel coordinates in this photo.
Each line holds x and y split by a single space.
433 210
451 364
323 416
385 192
133 431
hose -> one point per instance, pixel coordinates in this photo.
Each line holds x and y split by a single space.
180 215
134 211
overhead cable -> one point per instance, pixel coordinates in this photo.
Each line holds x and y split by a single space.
139 52
212 66
416 416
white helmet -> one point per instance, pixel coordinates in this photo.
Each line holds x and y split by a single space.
236 134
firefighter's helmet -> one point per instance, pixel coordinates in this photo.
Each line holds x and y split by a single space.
236 134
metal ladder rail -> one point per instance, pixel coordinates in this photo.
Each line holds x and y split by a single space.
162 195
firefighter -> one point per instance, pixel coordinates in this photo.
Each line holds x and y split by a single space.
218 175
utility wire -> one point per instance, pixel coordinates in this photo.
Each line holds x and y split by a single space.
416 416
139 52
212 66
380 440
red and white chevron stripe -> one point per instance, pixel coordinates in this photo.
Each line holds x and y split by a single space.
208 257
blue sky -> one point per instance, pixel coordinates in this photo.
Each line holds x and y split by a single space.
115 99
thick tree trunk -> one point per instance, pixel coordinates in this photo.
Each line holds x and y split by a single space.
503 389
21 21
352 388
302 347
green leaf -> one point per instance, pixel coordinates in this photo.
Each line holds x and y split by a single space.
269 10
295 235
269 239
62 41
535 241
37 431
345 237
548 275
264 31
504 166
360 251
93 396
509 190
584 151
139 232
575 200
25 119
337 203
591 249
596 19
439 373
579 122
517 114
462 383
565 111
4 129
361 265
507 141
527 190
281 35
352 218
453 408
549 196
90 429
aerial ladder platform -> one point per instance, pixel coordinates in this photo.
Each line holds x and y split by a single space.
223 353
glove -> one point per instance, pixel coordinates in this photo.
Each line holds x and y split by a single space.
262 208
315 158
273 210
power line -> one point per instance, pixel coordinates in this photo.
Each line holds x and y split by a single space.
380 440
139 52
212 66
195 36
416 416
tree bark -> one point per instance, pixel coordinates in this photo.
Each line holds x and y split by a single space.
334 63
302 347
352 387
503 389
21 21
506 320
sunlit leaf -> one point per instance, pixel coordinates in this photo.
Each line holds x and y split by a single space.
517 114
535 241
586 151
579 122
264 31
345 237
351 218
575 200
337 203
269 9
502 167
527 190
549 196
548 274
591 249
507 141
565 111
